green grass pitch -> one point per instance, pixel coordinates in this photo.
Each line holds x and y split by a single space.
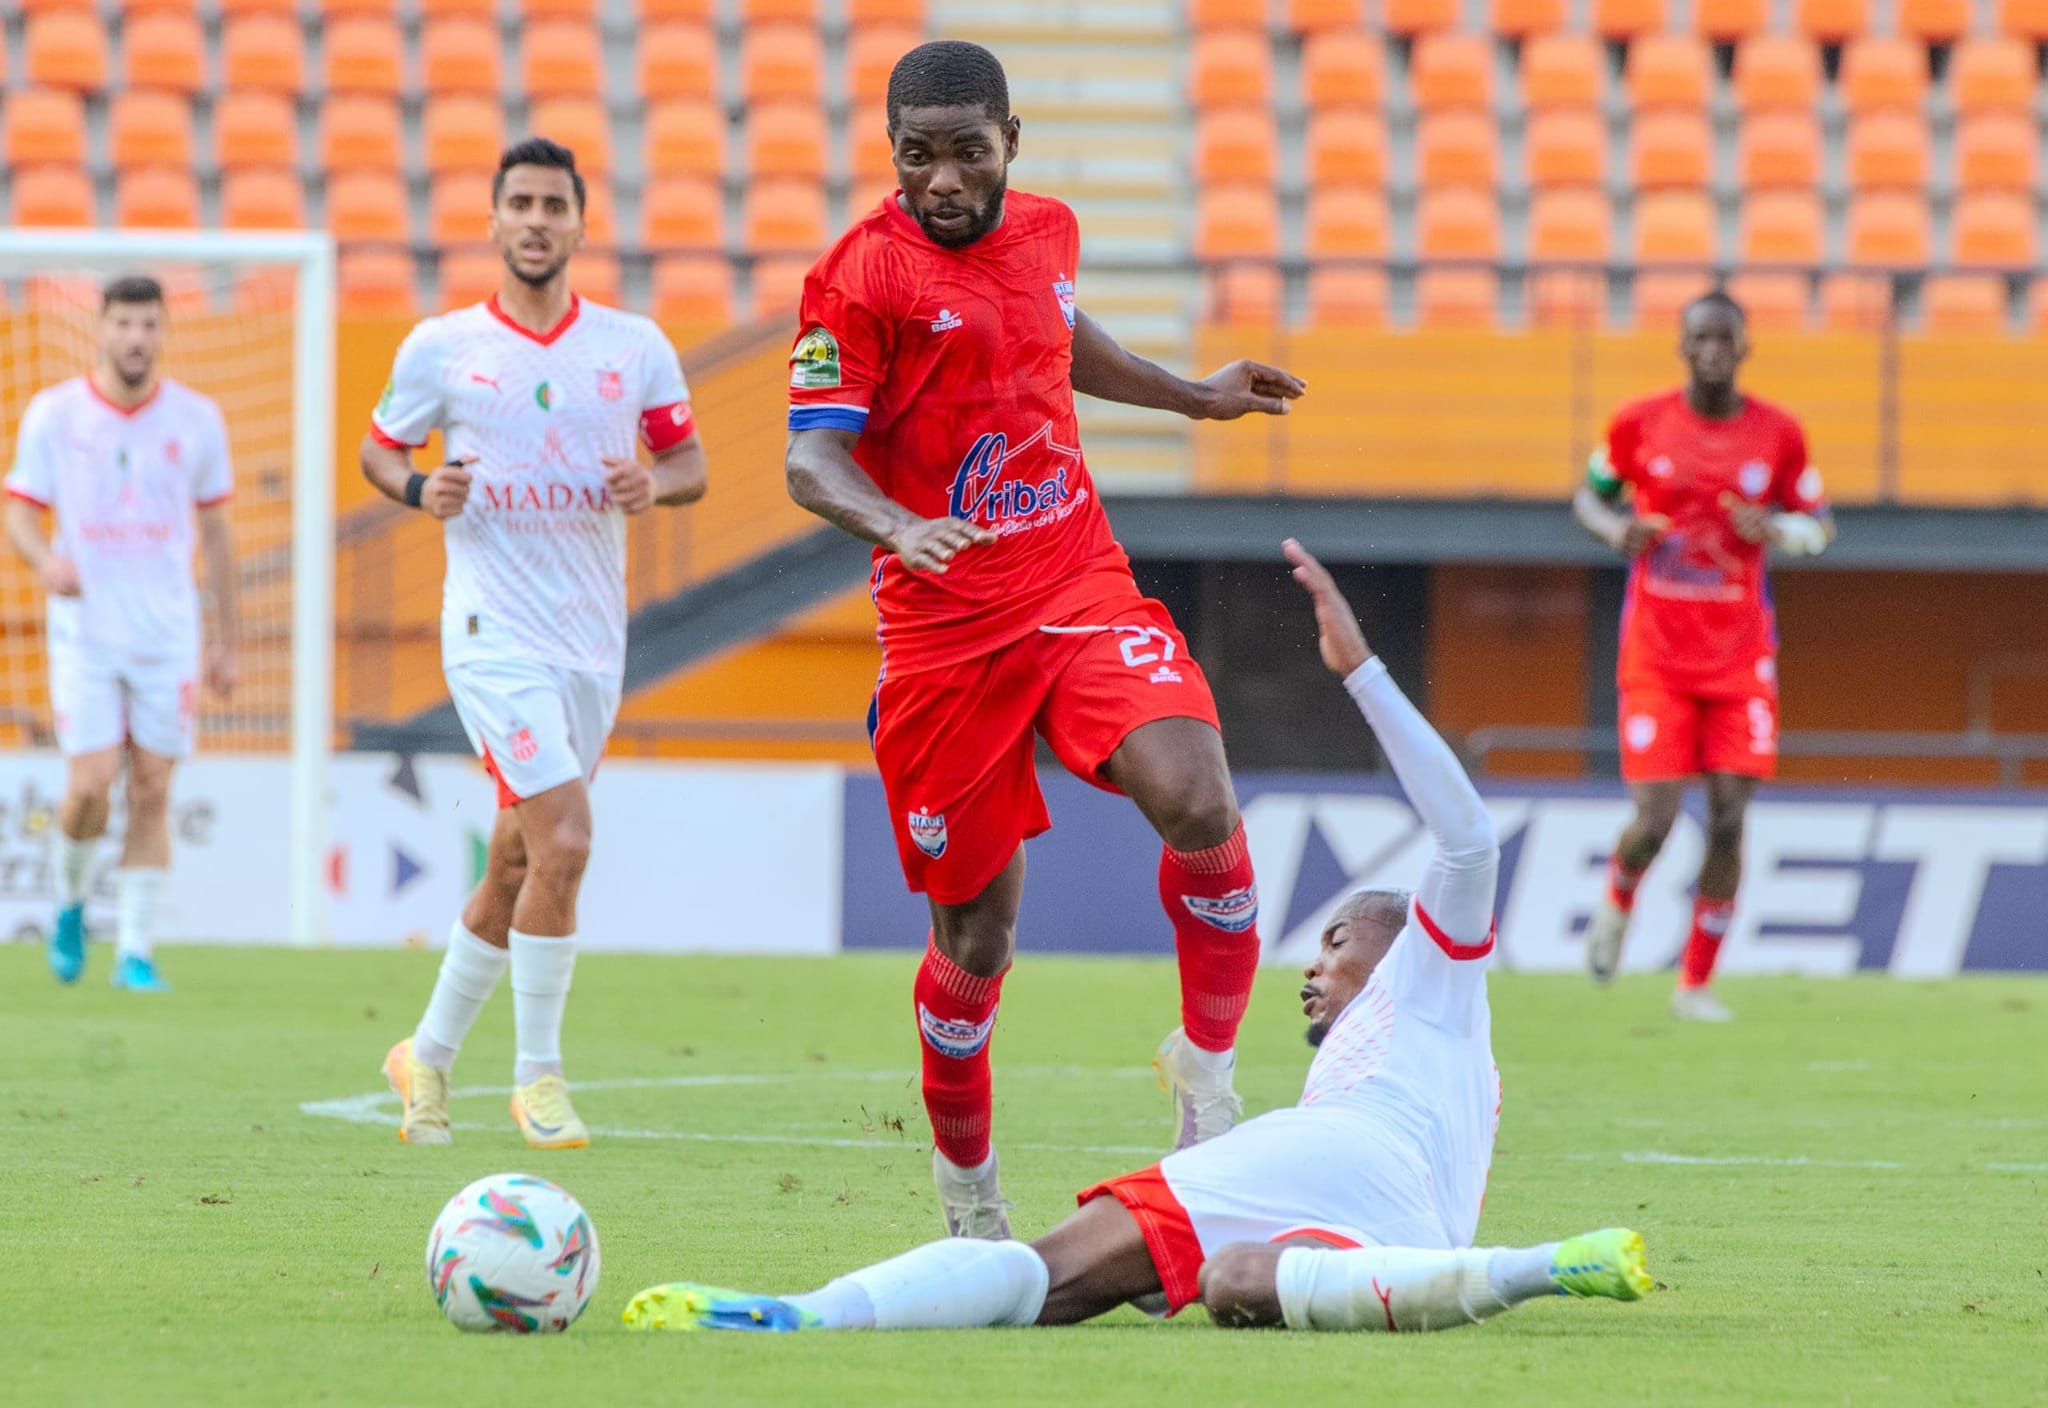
1845 1195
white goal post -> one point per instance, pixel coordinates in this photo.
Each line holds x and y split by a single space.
212 271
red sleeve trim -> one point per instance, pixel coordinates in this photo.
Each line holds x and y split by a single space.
25 496
665 427
216 501
1461 953
388 442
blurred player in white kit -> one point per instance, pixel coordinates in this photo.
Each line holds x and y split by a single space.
122 457
542 400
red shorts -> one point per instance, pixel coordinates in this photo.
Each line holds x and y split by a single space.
955 749
1666 735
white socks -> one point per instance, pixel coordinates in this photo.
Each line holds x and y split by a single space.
469 974
1216 1063
1386 1288
70 867
957 1284
135 892
541 970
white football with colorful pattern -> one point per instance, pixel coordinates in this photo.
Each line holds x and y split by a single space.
514 1254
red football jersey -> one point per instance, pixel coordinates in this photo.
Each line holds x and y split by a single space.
954 366
1698 616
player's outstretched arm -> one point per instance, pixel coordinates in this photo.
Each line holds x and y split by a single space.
825 479
1105 370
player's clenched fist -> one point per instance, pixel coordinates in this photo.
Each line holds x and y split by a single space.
447 488
631 484
1641 533
1343 643
929 544
60 576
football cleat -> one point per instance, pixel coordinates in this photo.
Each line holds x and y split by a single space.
424 1094
1604 935
1208 1104
547 1119
972 1205
66 950
135 972
684 1305
1698 1004
1606 1263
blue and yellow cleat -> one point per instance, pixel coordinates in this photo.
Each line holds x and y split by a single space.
66 949
1606 1263
684 1305
134 972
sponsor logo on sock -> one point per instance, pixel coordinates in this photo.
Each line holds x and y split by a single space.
1233 913
959 1040
928 832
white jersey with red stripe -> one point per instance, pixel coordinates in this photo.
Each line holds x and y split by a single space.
123 483
537 557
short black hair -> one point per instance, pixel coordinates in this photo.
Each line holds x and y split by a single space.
1718 298
949 73
538 151
130 288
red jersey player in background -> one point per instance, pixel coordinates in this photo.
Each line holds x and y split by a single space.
1717 477
932 414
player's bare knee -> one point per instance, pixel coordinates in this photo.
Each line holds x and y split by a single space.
1724 830
978 944
149 798
556 858
1237 1287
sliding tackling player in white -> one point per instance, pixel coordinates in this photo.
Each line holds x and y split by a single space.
1353 1210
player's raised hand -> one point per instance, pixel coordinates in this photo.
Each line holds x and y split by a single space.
1337 629
929 544
222 671
447 488
60 576
1245 387
631 484
1641 533
1751 521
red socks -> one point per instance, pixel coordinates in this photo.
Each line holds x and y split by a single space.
1622 879
1213 905
1709 926
956 1015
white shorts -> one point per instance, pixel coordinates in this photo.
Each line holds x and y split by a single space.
1296 1172
104 700
536 726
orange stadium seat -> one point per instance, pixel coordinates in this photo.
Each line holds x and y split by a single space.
778 284
1833 21
262 200
1345 223
262 53
581 125
1671 149
753 12
1341 69
1457 148
2024 19
1992 74
870 56
583 11
560 58
264 291
432 10
678 61
867 145
52 195
1777 71
1237 145
1669 71
694 11
860 13
461 132
149 129
1889 228
692 288
1348 298
1882 71
1855 302
255 129
599 279
1781 227
361 132
163 50
1457 224
1779 149
65 49
1410 17
1343 147
1995 151
784 217
461 55
1565 147
1563 71
2037 306
376 283
786 139
365 54
1993 228
1452 71
459 207
1888 150
1771 301
1565 298
1966 304
1246 295
469 276
1660 296
1725 21
367 206
1318 16
864 196
157 198
1568 227
1519 19
1628 19
600 214
1226 14
1934 21
1236 220
1230 67
384 8
1457 298
1675 227
45 126
782 62
686 137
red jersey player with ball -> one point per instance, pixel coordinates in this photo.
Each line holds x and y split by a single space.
1717 478
932 414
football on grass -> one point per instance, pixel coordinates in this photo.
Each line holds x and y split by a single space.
514 1254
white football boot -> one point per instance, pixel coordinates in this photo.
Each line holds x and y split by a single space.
1698 1005
971 1203
1604 935
1208 1105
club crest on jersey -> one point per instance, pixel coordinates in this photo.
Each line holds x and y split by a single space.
523 746
1809 484
1754 477
1660 467
1639 732
814 364
927 832
1063 290
611 386
998 483
544 397
174 453
1233 913
959 1040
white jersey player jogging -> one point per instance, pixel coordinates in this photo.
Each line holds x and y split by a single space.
533 612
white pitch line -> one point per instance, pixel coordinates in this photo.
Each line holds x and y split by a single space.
1758 1160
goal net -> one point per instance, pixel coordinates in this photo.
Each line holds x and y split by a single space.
250 324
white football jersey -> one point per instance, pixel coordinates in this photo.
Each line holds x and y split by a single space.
537 557
123 484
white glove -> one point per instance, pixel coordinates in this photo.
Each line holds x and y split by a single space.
1799 534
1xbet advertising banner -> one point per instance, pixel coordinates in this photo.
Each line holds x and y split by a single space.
1920 883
